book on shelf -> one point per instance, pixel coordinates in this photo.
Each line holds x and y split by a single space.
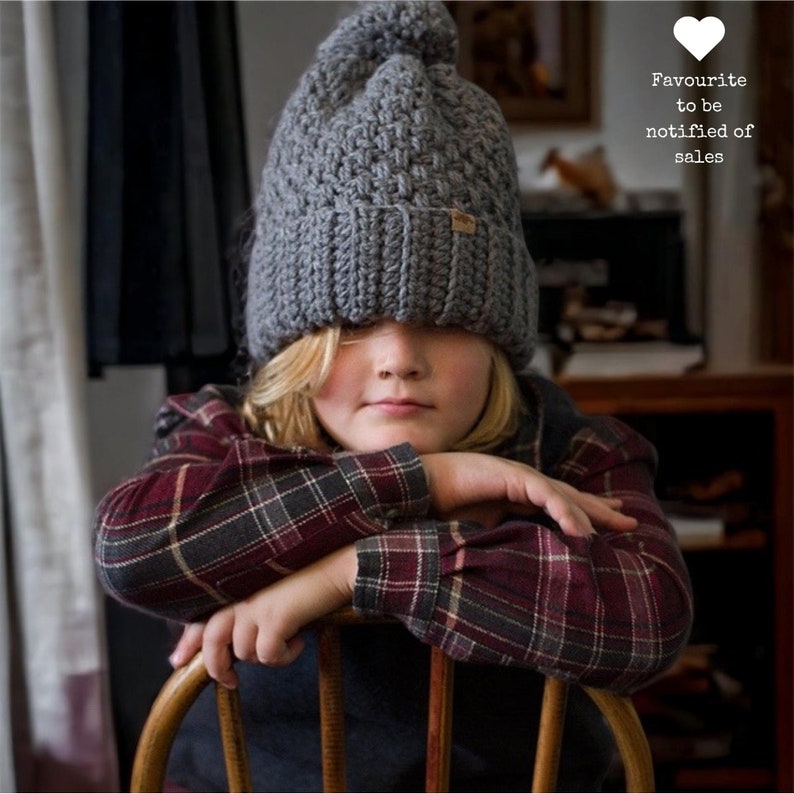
696 525
697 530
605 359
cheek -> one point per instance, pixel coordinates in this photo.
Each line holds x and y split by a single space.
341 378
340 394
329 401
468 386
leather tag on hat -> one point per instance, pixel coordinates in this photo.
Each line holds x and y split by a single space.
462 222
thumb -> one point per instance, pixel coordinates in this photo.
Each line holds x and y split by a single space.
189 644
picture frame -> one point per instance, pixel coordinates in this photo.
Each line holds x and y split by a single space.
537 58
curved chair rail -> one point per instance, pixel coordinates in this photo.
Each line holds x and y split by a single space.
184 685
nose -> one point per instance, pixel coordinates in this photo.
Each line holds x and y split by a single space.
401 354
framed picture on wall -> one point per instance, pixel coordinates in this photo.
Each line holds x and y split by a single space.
536 58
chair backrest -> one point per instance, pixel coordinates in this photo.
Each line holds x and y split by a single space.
185 684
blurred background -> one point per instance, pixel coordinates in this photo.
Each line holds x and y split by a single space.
132 140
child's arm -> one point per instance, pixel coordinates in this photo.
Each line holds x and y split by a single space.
264 627
486 489
218 514
611 610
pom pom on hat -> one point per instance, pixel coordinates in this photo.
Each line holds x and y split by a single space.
380 30
390 191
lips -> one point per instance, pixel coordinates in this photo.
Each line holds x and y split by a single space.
399 407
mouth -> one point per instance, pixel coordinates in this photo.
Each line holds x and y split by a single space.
399 407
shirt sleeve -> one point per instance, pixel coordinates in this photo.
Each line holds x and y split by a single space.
610 611
217 513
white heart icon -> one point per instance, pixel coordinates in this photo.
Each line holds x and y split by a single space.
700 37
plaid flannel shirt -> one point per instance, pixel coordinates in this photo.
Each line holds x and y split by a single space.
218 513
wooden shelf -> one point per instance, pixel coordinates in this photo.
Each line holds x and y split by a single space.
725 779
711 390
763 390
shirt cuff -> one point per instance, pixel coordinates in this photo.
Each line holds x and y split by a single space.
390 484
398 575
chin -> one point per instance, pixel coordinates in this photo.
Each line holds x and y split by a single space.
419 442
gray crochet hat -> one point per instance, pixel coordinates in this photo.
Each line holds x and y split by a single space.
390 191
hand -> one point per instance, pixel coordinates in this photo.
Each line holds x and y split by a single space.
189 644
486 488
265 627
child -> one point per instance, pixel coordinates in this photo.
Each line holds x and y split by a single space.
386 454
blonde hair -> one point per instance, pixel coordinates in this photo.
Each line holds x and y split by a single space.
278 402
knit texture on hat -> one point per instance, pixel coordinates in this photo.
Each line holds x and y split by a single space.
390 191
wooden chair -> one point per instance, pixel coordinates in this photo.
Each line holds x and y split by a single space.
185 684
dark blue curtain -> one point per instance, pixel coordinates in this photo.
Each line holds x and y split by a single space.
167 203
167 188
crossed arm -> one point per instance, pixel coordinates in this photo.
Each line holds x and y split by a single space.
265 627
222 527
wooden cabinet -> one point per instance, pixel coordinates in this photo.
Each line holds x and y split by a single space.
633 257
708 425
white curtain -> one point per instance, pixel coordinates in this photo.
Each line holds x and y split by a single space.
53 675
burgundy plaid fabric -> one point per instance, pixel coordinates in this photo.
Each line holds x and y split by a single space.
218 513
611 611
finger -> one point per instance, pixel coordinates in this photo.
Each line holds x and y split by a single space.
188 646
619 522
295 646
219 662
571 519
244 640
217 651
574 522
277 652
572 492
547 494
605 516
602 510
